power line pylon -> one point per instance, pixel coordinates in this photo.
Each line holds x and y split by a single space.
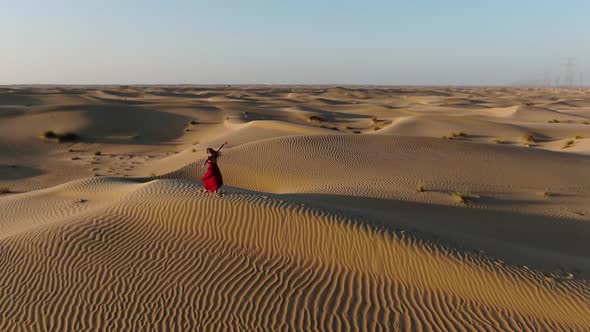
569 72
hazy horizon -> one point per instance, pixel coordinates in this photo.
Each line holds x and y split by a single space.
423 43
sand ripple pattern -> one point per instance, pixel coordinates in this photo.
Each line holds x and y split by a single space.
163 256
390 167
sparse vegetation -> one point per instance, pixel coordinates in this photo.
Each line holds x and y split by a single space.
545 193
586 122
97 153
456 135
421 187
459 198
4 190
569 144
529 138
553 121
194 150
67 137
193 122
379 124
328 127
316 118
71 150
376 120
500 141
463 198
357 131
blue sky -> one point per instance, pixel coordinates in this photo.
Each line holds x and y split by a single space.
398 42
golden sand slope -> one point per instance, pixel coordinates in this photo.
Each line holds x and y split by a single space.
391 167
510 218
163 255
322 226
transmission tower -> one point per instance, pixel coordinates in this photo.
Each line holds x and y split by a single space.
569 72
547 79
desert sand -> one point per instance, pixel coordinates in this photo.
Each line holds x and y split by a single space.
344 208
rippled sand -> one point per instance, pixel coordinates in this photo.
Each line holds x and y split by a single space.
344 209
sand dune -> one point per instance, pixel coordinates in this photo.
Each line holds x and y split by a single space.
190 260
344 209
313 166
391 166
532 114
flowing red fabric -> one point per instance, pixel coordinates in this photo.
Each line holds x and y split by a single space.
212 179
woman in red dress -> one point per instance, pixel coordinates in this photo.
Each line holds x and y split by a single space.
212 179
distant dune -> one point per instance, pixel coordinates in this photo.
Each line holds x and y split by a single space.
356 208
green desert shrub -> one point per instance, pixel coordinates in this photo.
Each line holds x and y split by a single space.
569 144
316 118
528 137
66 137
421 187
463 198
456 135
545 193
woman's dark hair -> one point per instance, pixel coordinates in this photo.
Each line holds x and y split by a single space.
213 152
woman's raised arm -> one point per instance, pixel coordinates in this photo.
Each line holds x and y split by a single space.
222 145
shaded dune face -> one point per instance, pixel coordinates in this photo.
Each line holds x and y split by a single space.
162 255
8 98
103 123
13 172
365 208
148 125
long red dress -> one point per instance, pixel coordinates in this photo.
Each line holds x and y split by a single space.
212 179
